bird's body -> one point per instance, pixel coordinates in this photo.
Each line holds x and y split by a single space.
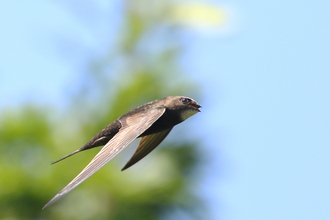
151 121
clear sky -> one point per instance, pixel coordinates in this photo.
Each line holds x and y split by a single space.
266 85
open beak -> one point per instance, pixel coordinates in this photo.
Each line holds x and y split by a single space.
196 106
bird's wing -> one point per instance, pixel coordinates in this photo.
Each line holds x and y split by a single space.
133 127
147 144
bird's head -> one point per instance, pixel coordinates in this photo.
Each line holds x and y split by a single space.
188 106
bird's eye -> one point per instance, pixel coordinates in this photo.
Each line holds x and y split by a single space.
185 100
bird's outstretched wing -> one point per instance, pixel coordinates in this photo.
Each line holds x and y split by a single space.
132 127
147 144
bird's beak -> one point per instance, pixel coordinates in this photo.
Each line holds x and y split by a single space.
197 106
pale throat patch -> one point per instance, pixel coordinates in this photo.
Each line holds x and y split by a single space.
187 113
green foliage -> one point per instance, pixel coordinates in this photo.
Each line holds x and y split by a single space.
154 188
25 141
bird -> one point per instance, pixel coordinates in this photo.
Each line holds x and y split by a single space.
151 122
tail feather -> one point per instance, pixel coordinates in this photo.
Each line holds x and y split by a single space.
62 158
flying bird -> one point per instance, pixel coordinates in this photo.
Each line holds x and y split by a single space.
151 121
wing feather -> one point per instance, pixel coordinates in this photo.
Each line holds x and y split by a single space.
147 144
133 127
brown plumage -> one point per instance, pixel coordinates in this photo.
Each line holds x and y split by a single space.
151 121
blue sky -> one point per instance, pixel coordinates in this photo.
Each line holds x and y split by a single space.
266 95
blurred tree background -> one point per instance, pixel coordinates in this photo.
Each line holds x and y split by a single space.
142 65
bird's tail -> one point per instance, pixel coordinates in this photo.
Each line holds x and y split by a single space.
62 158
